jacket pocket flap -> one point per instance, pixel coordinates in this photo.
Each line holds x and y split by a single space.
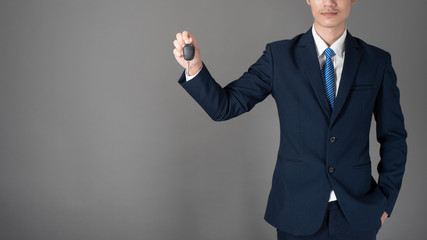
362 165
360 86
290 160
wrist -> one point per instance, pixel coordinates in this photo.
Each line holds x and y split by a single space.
195 69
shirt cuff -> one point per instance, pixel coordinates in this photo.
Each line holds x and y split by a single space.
188 78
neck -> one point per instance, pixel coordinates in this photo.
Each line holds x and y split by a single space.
329 35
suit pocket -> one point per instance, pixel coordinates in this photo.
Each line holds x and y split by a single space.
362 86
289 160
362 165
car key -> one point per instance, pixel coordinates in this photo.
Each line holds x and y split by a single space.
188 53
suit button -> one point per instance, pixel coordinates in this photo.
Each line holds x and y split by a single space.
331 170
332 139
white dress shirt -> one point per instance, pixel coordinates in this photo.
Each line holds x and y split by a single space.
338 61
188 77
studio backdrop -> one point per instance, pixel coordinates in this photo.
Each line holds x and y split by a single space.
99 141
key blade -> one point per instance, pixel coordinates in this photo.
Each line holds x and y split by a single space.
188 68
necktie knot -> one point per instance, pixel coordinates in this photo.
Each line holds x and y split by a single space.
329 52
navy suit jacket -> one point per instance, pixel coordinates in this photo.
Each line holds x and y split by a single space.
320 149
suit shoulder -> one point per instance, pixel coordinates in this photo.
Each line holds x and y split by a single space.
371 49
286 43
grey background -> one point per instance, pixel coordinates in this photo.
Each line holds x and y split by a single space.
98 141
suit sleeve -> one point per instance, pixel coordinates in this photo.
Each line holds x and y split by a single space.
391 135
239 96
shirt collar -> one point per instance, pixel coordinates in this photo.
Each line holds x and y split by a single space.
337 46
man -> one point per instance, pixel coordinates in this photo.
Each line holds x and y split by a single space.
327 85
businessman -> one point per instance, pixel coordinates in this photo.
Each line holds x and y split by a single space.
327 85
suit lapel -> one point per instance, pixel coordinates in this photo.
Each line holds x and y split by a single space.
308 56
352 59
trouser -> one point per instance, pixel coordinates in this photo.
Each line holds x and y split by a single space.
334 227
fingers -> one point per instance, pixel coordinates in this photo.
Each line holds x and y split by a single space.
177 53
178 48
384 217
186 38
181 39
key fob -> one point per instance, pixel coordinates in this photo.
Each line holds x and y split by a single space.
188 52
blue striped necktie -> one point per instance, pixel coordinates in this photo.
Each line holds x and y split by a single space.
328 75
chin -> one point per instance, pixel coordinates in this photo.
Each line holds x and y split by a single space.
331 24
